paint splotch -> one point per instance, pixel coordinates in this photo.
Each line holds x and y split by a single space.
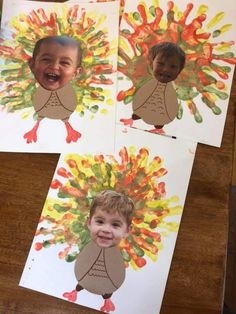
89 28
206 67
80 178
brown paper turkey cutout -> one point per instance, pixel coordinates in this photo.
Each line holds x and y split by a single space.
58 104
100 270
156 103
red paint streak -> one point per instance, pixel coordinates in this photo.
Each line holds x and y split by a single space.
72 163
186 34
38 246
71 191
63 173
55 184
124 158
99 158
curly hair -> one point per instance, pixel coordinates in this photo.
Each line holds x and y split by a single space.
112 202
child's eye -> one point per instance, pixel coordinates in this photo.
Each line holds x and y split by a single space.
65 63
116 225
46 60
99 221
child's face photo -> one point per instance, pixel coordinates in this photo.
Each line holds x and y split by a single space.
166 69
107 229
55 65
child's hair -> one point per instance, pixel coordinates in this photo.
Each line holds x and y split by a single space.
111 202
61 40
167 49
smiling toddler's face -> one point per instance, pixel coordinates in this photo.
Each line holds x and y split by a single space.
55 65
107 229
166 69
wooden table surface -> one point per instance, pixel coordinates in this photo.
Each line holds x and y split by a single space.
196 279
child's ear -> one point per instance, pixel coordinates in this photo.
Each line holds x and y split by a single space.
31 64
88 222
180 70
150 61
128 230
78 71
150 65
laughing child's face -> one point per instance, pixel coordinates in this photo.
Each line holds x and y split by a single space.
55 65
107 229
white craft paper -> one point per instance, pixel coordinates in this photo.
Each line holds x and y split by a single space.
94 117
46 269
207 36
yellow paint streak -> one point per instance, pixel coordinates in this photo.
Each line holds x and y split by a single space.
175 9
15 23
88 59
202 9
225 28
162 202
200 31
176 210
133 265
64 11
159 245
26 114
169 226
155 3
149 16
131 18
78 159
104 111
113 51
114 42
174 199
154 166
48 208
113 179
79 108
132 150
216 19
100 21
109 102
223 47
150 255
163 24
124 44
99 51
179 15
149 218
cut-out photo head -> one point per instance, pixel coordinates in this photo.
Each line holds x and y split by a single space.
166 60
155 102
110 218
99 267
56 61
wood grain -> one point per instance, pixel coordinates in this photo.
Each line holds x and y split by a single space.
196 279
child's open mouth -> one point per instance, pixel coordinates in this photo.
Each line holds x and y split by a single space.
164 77
52 77
104 238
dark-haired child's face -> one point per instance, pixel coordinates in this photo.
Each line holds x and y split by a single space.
55 65
166 69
